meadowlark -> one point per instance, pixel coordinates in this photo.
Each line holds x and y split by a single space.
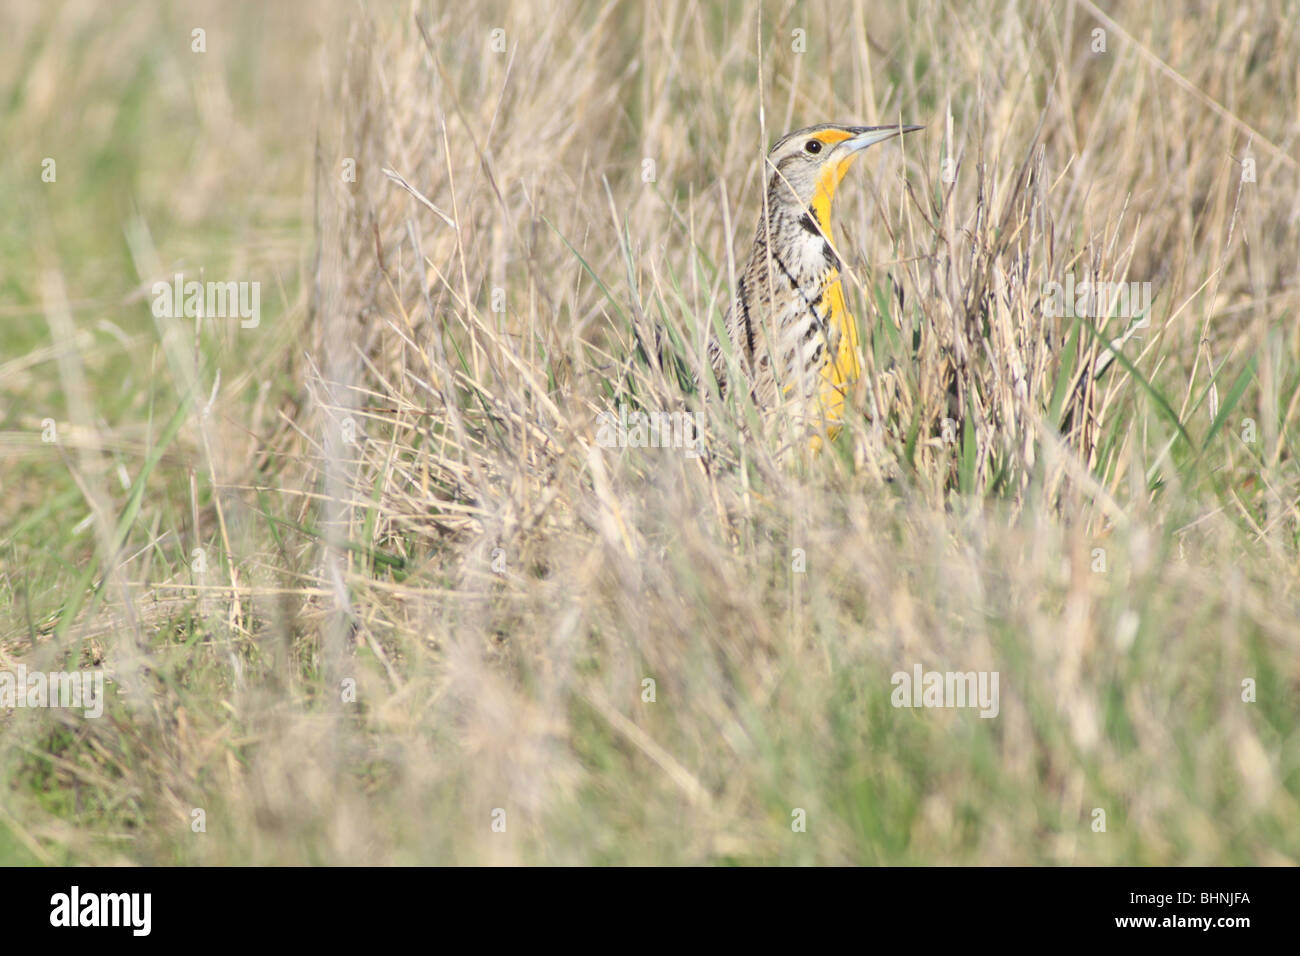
789 327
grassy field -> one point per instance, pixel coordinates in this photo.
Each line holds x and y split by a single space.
364 580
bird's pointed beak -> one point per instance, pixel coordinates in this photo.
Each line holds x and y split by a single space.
864 136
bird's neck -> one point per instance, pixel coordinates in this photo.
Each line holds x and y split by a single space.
820 207
828 179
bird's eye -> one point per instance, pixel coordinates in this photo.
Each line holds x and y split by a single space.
813 146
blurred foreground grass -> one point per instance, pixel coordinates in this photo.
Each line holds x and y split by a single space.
364 584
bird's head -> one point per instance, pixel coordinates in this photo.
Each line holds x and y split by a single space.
805 166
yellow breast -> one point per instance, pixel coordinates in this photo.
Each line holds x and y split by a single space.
839 374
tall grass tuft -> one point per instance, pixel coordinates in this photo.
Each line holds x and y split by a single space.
454 623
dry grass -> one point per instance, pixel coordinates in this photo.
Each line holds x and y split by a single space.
404 492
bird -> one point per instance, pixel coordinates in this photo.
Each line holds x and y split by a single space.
788 324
